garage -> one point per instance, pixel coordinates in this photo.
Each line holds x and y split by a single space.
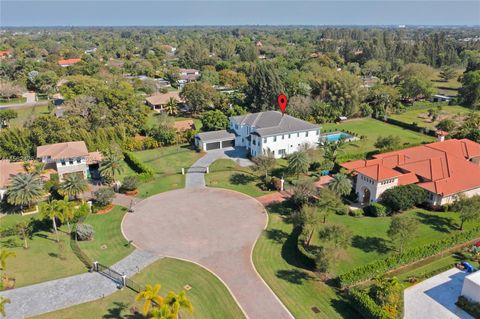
213 146
214 140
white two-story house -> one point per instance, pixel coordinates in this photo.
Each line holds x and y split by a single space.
261 132
68 158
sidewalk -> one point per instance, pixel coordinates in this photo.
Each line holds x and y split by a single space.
66 292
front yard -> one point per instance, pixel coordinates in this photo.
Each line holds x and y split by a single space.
210 298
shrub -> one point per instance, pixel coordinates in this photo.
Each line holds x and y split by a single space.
473 308
403 197
356 212
366 306
104 196
376 210
130 183
276 183
84 232
137 165
393 261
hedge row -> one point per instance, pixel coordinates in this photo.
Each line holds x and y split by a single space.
366 306
390 262
138 166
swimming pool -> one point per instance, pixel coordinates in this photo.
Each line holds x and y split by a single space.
336 136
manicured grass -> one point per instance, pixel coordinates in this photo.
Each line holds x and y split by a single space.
170 159
210 298
27 114
370 240
277 260
372 129
16 100
419 114
153 119
108 245
225 173
126 171
45 259
447 88
161 183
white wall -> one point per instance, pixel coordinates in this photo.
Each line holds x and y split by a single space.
438 200
72 167
376 188
471 287
290 143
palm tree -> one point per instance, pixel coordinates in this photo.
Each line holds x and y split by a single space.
3 302
111 165
51 211
4 255
298 163
163 312
73 185
67 211
331 149
171 107
25 189
341 184
150 295
177 302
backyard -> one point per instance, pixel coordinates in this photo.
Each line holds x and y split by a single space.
210 298
27 114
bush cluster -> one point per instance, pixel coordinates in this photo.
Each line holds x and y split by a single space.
130 183
400 198
84 232
137 165
375 210
390 262
366 306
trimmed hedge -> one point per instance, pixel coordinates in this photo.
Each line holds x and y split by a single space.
375 210
138 166
393 261
366 306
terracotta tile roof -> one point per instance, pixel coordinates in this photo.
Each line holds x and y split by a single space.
8 169
94 157
162 98
441 167
63 150
69 61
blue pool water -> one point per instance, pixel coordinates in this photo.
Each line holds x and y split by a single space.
334 137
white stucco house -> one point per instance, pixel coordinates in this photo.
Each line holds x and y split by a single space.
261 132
471 287
445 169
68 158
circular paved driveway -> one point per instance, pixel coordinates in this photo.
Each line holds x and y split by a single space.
216 228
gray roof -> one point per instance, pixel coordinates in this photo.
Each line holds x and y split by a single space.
215 136
273 123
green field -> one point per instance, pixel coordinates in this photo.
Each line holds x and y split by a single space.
210 298
372 129
170 159
447 88
108 245
419 114
45 259
13 100
28 114
225 173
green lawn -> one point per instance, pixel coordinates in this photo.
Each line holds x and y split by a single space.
28 114
225 173
276 259
372 129
162 183
210 298
153 118
170 159
419 114
447 88
45 259
108 245
13 101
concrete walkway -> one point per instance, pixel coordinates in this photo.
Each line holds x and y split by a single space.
66 292
195 174
216 228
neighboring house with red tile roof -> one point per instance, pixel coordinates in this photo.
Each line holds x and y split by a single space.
184 125
444 169
5 54
158 101
68 62
68 158
7 170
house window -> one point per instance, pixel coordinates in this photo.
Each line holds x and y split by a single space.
283 137
273 153
79 160
70 161
274 138
289 135
306 134
265 140
281 152
298 134
318 132
63 162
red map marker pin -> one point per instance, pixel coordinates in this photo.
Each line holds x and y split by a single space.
282 102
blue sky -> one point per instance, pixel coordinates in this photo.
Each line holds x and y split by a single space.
238 12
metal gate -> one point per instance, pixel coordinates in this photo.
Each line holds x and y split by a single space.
109 273
197 169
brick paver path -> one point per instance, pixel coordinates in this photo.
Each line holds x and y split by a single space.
215 228
66 292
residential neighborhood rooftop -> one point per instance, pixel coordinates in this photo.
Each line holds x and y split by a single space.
62 150
163 98
8 169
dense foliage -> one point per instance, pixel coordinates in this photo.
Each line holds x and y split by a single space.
403 197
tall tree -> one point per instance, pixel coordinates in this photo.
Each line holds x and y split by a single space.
341 184
24 230
338 235
308 218
468 209
198 96
111 165
171 107
470 90
298 163
67 211
50 210
178 302
447 73
150 297
329 202
264 87
401 230
25 189
264 163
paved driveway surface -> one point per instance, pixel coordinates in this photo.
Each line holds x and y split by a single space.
216 228
436 297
